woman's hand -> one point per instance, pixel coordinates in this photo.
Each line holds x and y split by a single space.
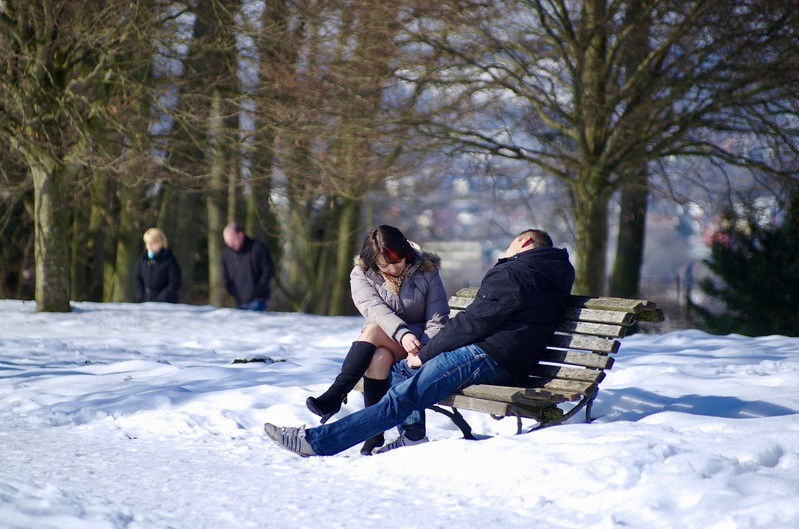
411 343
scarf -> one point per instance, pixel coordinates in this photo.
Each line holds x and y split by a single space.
395 283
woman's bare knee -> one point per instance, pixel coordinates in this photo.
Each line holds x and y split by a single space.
372 333
380 366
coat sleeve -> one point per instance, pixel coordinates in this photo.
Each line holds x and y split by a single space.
436 306
495 300
170 292
227 280
373 307
265 267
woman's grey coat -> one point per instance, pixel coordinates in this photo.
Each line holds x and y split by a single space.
420 308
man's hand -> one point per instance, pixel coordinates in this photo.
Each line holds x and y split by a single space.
413 360
411 343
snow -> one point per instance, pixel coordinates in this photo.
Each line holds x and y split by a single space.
135 416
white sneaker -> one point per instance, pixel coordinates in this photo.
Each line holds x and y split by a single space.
290 438
398 443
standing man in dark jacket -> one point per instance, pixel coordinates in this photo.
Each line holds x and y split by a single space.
246 269
496 340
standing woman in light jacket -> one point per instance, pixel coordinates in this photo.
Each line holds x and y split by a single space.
157 276
398 290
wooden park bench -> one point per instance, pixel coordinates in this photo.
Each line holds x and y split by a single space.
568 375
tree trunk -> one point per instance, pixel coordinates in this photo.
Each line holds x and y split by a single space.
590 189
51 215
96 247
233 188
215 205
79 254
591 232
299 265
110 243
346 246
261 220
626 275
128 236
181 218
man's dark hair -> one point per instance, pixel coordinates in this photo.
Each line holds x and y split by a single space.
541 239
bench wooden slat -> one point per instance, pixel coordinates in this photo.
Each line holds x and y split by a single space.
540 410
569 373
467 292
509 394
599 316
457 302
521 395
577 359
607 303
585 343
626 319
601 310
493 407
552 395
563 386
490 392
652 316
596 329
464 296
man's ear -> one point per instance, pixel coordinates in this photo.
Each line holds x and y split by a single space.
528 243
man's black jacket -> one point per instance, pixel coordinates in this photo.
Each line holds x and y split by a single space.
514 312
248 272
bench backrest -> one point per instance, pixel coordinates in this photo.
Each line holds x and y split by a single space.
579 353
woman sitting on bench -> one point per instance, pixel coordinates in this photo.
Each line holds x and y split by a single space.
398 290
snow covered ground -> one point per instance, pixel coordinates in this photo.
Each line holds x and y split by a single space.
135 416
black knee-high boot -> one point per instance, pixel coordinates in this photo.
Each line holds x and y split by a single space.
373 391
355 364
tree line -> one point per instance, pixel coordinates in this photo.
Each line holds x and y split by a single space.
290 116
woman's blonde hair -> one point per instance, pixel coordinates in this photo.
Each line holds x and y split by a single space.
155 235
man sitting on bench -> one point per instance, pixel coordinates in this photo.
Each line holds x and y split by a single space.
496 340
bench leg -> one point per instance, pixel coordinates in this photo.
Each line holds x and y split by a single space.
458 419
588 408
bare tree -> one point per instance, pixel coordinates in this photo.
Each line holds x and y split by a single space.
202 143
58 67
326 123
595 93
131 117
626 273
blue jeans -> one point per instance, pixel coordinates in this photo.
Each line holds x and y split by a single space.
414 425
439 377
